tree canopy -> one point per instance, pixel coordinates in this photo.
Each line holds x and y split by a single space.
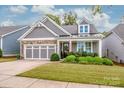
54 18
70 18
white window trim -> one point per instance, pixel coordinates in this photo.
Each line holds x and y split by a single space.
84 28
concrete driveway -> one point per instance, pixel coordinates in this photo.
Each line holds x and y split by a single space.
13 68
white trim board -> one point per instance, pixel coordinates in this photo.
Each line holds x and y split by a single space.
30 39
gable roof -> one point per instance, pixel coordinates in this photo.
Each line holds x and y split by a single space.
119 30
10 29
54 26
40 32
73 29
84 21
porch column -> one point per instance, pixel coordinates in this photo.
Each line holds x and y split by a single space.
70 46
91 46
100 48
58 47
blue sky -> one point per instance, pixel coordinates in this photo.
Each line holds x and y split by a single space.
22 15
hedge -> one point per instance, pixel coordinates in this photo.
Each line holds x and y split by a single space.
88 60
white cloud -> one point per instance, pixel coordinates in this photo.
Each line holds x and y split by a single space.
20 9
7 23
101 21
44 9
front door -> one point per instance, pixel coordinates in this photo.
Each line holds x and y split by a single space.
64 49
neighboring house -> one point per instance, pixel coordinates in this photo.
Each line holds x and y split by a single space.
114 44
46 37
8 39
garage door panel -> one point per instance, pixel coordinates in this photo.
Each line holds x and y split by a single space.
28 53
35 53
43 53
50 52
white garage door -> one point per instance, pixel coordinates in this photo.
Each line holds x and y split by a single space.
41 52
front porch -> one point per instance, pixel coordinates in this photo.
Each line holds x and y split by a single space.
79 45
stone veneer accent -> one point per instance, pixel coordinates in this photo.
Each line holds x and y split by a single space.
40 42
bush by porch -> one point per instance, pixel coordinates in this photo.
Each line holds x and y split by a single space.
88 60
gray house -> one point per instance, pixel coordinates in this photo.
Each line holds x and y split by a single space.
8 39
113 44
45 37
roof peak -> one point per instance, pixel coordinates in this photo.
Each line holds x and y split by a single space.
84 19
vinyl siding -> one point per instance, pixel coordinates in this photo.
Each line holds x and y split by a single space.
40 32
54 28
10 43
115 47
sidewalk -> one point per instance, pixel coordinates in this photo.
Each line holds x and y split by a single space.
10 81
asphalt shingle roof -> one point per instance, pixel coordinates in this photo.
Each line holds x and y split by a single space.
7 29
119 30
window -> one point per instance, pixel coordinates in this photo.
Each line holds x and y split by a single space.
84 28
88 47
81 28
80 46
84 46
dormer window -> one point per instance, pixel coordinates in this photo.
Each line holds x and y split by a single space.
84 28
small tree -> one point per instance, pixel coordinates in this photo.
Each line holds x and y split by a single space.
54 18
1 53
70 18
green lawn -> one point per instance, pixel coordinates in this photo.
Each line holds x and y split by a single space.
7 59
92 74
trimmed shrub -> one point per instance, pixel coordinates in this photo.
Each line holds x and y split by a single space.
54 57
78 54
107 61
95 54
82 60
71 53
70 58
84 54
18 56
98 60
87 59
1 53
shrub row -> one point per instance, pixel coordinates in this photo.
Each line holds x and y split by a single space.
84 54
88 60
